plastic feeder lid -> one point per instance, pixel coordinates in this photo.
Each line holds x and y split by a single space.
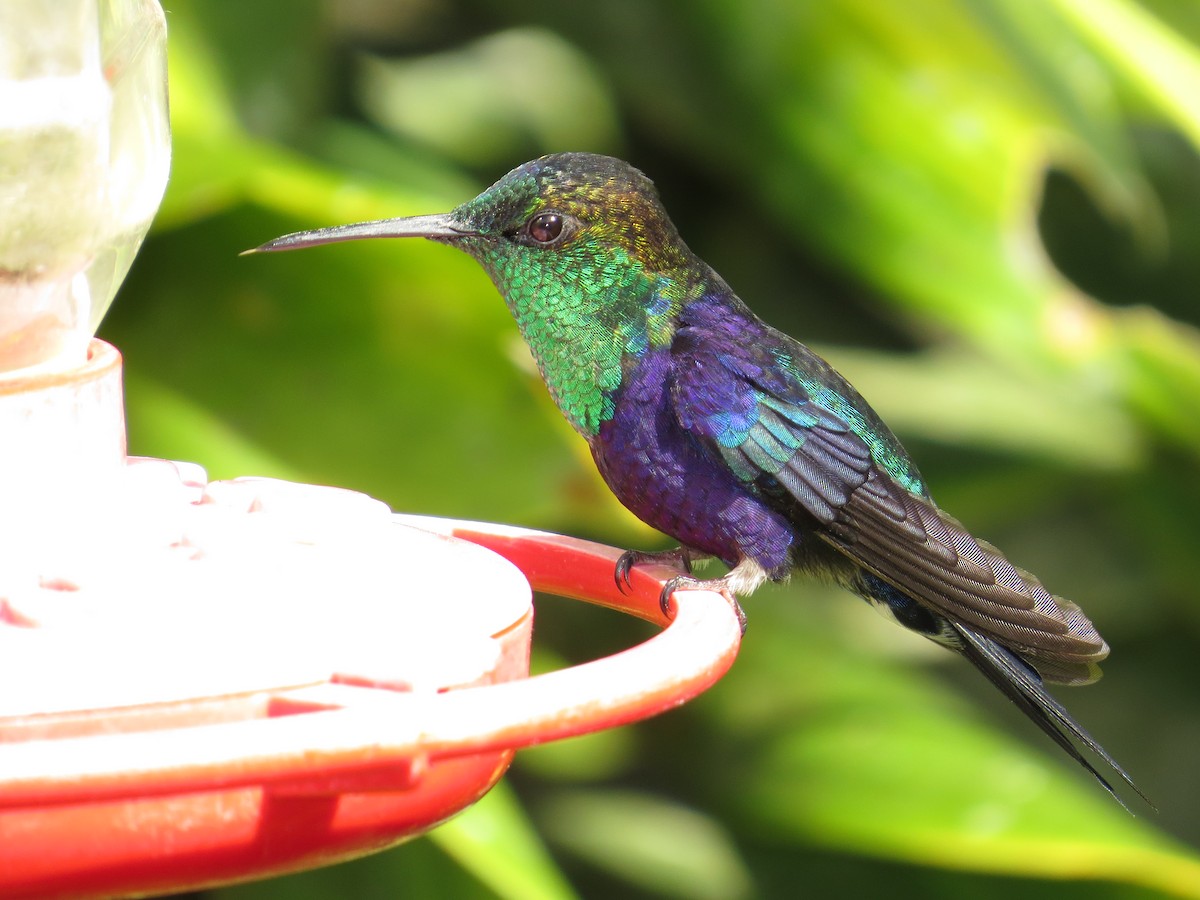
294 677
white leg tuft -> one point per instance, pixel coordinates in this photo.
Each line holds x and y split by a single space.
746 577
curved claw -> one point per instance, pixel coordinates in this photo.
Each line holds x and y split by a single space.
686 582
625 564
680 556
672 585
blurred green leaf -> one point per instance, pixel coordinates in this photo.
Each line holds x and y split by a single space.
1164 381
650 842
415 869
486 103
959 398
496 842
177 429
1163 65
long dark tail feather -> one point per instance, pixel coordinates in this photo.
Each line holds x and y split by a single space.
1021 684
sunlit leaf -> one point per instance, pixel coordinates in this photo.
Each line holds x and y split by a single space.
495 841
650 842
486 103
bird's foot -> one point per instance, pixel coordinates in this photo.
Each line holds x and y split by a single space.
688 583
742 579
677 558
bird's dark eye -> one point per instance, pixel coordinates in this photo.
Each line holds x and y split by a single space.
546 228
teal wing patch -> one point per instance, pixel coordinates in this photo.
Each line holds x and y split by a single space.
767 428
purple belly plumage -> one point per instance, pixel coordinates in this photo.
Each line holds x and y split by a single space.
669 481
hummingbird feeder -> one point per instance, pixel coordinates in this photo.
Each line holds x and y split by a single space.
203 683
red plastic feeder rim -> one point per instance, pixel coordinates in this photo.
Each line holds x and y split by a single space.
178 796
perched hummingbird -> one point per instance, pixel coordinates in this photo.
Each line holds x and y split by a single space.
735 439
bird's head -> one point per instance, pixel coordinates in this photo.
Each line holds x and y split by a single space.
565 216
586 258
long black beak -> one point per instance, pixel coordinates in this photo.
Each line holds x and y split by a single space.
443 225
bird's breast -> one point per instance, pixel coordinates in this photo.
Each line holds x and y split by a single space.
670 481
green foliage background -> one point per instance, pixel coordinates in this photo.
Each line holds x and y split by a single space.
985 213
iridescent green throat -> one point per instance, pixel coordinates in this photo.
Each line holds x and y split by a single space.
587 312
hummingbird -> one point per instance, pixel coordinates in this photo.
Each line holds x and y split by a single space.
737 440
